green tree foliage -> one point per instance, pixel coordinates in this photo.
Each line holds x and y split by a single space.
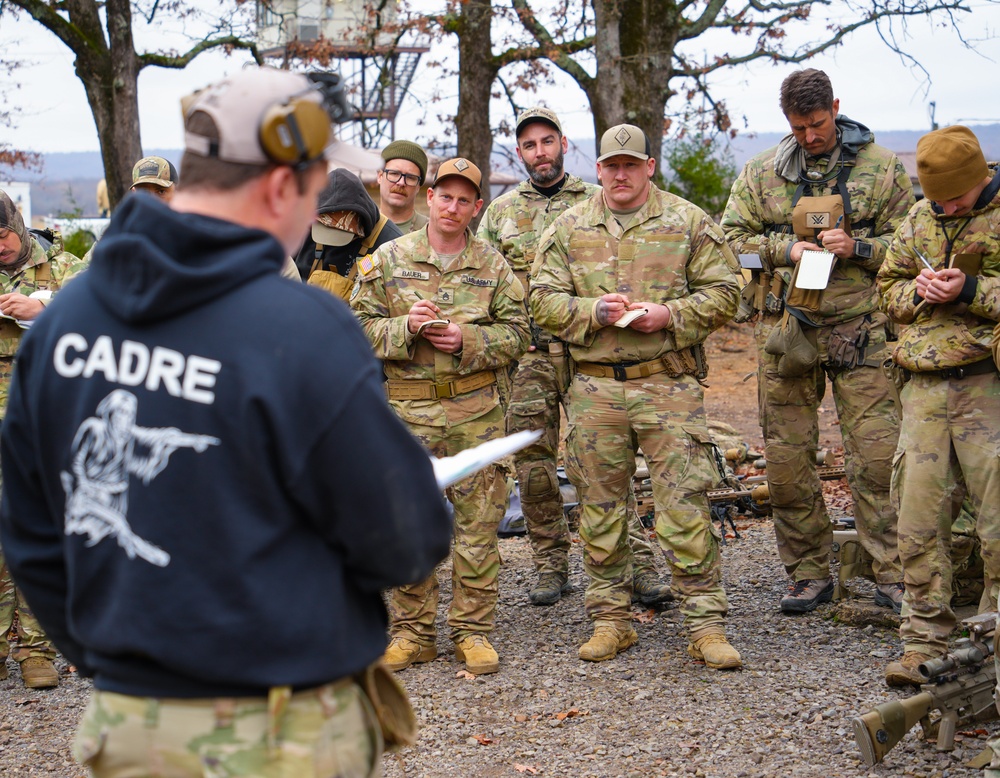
701 170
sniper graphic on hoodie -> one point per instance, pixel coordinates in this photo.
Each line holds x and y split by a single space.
104 457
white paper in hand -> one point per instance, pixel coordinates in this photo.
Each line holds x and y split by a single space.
450 470
630 316
814 269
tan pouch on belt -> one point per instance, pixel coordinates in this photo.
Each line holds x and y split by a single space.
391 705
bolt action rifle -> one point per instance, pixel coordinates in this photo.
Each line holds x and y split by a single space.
958 691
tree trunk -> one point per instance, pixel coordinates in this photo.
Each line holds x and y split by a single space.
478 72
634 50
110 78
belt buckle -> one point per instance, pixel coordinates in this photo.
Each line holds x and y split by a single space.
444 391
959 372
618 373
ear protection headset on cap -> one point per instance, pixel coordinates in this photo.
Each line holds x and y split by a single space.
295 133
261 116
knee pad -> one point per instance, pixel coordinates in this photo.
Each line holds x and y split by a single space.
537 481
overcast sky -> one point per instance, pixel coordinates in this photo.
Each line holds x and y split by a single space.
874 87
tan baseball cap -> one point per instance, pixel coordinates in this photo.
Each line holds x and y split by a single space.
624 139
238 105
154 170
460 167
536 113
337 228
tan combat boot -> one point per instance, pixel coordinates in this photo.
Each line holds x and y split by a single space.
905 672
606 642
479 656
39 673
714 650
403 652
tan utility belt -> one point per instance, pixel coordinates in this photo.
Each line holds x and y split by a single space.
417 389
673 363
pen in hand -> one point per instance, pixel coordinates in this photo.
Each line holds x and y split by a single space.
924 259
839 220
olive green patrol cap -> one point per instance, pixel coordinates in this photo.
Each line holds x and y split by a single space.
408 150
624 139
536 113
463 168
950 162
154 170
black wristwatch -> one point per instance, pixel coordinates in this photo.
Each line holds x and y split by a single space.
862 249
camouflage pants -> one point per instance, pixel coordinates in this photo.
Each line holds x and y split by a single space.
869 425
534 405
664 416
32 641
328 732
479 502
950 432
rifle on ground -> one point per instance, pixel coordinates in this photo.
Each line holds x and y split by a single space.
959 689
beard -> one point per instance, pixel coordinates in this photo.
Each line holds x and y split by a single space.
550 176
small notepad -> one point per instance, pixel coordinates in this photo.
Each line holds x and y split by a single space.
630 316
814 269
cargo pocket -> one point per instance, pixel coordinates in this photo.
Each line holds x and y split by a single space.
349 743
527 415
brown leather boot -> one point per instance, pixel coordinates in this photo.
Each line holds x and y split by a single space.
403 652
606 642
479 656
905 672
714 650
39 673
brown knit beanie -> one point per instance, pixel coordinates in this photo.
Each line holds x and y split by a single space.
950 163
410 151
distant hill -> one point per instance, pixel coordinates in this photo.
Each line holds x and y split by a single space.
68 181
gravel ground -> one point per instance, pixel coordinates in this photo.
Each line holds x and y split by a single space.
650 712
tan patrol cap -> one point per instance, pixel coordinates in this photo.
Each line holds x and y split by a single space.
950 162
536 114
460 167
154 170
624 139
337 228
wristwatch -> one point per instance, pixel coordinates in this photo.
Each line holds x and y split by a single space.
862 249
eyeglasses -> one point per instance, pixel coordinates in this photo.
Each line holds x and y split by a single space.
395 175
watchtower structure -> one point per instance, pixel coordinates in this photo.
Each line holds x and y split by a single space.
364 39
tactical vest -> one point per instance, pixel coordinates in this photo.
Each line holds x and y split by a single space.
336 284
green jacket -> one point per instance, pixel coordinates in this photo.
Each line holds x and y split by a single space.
758 219
480 293
932 336
672 253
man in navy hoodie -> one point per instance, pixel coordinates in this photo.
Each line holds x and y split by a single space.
202 511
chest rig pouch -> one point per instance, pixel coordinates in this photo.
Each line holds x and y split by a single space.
811 215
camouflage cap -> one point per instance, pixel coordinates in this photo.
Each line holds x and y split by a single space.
624 139
154 170
337 228
950 162
410 151
238 105
536 114
462 168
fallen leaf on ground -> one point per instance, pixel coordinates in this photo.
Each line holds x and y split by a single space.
483 740
646 616
526 768
465 674
567 714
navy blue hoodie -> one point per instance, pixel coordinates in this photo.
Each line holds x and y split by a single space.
204 488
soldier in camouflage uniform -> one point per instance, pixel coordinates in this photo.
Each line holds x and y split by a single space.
512 225
951 403
633 280
825 185
29 273
442 382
